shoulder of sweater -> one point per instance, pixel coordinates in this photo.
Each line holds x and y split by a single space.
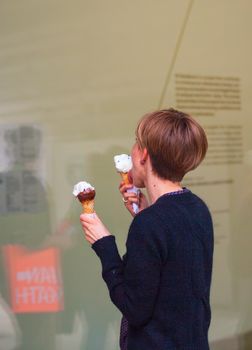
149 218
146 230
167 205
148 215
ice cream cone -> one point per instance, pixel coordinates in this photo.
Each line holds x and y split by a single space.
85 194
123 165
88 206
125 178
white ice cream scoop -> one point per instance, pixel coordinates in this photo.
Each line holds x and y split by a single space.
123 163
80 187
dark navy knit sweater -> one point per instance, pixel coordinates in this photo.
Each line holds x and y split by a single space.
162 285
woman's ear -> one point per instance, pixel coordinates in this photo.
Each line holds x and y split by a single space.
144 156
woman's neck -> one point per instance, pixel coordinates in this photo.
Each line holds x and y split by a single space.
156 187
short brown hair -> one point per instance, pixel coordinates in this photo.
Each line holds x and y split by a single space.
176 143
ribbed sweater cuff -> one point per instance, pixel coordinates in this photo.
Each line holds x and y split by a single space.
107 251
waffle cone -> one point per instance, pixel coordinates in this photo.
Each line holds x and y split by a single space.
125 178
88 206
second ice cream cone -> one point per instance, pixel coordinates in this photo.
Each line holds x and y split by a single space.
125 178
88 206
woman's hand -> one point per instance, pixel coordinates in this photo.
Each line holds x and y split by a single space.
92 227
130 197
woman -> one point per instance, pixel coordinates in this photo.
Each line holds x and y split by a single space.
162 286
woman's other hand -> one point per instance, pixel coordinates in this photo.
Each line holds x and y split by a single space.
130 197
93 228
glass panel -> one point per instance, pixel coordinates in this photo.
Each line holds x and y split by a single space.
75 77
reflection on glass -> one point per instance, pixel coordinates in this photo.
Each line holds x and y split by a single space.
30 278
43 275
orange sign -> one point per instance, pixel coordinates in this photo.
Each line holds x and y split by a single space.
34 279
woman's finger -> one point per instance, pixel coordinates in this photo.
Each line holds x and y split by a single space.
89 239
130 194
93 227
133 200
130 199
89 236
88 218
85 225
130 208
124 188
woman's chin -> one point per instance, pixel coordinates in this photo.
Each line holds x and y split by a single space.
137 183
135 180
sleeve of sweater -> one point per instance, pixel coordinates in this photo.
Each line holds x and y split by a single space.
133 284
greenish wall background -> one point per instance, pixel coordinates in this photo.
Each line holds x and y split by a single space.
83 73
